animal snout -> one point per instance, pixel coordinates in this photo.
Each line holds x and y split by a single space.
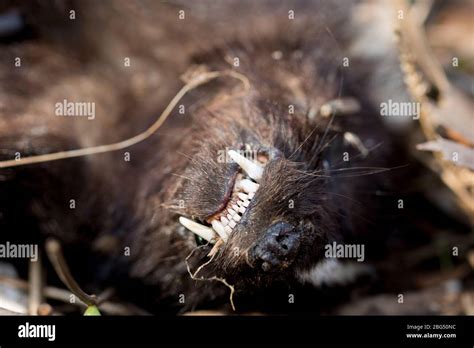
277 248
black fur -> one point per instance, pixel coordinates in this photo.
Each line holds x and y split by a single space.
136 204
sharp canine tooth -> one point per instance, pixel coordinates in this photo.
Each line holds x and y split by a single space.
253 170
219 228
201 230
249 186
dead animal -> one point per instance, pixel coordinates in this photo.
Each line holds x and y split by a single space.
242 187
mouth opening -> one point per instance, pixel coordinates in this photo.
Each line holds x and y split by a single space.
220 226
225 220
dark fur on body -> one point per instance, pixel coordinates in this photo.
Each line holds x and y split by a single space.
136 204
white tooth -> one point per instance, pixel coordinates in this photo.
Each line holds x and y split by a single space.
242 196
232 224
201 230
246 203
217 226
235 207
249 186
251 195
224 220
229 217
228 230
242 210
231 212
253 170
236 217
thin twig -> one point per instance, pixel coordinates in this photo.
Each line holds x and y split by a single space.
55 254
5 311
222 280
196 82
62 295
35 276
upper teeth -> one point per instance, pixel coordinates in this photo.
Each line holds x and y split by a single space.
224 223
242 196
253 170
248 186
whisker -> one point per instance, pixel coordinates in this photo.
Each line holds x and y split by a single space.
344 196
371 170
185 155
326 131
358 155
317 152
182 176
304 141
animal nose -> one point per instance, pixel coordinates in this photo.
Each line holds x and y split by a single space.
277 248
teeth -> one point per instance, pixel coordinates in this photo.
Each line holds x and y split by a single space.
253 170
219 228
242 196
224 227
201 230
248 186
